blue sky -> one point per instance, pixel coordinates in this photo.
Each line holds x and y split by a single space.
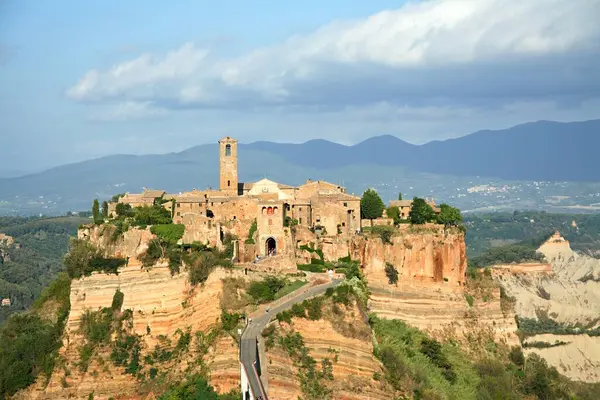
83 79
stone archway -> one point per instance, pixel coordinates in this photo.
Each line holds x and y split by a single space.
270 246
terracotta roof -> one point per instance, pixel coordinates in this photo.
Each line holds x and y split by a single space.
153 193
400 203
282 186
339 196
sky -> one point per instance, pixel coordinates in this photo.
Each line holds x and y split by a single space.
82 79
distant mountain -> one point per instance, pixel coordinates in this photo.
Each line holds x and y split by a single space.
542 150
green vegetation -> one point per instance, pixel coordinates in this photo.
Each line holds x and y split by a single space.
544 324
152 215
28 343
371 205
26 271
421 212
428 369
449 216
399 195
385 232
310 375
196 387
84 258
251 232
264 291
96 212
394 213
512 253
392 273
170 233
289 288
531 228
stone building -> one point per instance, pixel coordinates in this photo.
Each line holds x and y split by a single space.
210 214
405 205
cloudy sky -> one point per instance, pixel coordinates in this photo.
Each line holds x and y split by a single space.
81 79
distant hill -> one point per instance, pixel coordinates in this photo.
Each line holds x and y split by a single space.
542 150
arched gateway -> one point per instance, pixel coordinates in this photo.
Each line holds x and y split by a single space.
270 246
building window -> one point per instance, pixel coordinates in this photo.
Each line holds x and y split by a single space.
178 214
178 205
300 220
227 150
345 204
318 219
270 221
234 217
228 183
343 224
270 211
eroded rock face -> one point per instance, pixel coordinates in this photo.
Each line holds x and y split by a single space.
353 371
161 305
132 243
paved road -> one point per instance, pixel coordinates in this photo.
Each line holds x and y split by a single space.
248 351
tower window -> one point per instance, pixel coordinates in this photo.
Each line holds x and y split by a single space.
228 150
228 183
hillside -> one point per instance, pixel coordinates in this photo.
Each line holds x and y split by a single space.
29 265
536 151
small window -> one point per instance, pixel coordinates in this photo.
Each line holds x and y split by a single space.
227 150
228 183
343 224
234 217
270 221
318 218
300 220
178 213
178 205
345 204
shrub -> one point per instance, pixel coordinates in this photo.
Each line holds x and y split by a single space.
117 301
229 321
385 232
392 273
311 267
470 299
96 325
264 291
124 210
253 228
83 259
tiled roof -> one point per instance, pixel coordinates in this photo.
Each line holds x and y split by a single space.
154 194
401 203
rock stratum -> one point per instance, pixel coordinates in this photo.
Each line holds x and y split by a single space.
569 295
429 294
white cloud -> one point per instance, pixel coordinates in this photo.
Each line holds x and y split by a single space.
423 54
128 110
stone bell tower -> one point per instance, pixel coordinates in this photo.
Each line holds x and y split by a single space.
228 170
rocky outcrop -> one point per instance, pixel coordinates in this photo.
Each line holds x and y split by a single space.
348 345
131 243
162 304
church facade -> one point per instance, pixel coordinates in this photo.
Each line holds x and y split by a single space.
274 209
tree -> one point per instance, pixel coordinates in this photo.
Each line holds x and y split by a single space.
124 210
371 205
394 213
449 216
399 195
96 212
104 210
420 212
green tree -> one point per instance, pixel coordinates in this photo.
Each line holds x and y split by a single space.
124 210
420 212
104 210
399 195
394 213
371 205
449 216
96 212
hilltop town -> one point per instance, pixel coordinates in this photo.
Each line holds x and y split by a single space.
264 211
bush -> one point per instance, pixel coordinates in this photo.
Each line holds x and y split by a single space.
469 299
170 233
312 268
124 210
83 259
392 273
385 232
253 228
265 291
229 321
117 301
96 325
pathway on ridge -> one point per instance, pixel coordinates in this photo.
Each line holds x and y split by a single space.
248 351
